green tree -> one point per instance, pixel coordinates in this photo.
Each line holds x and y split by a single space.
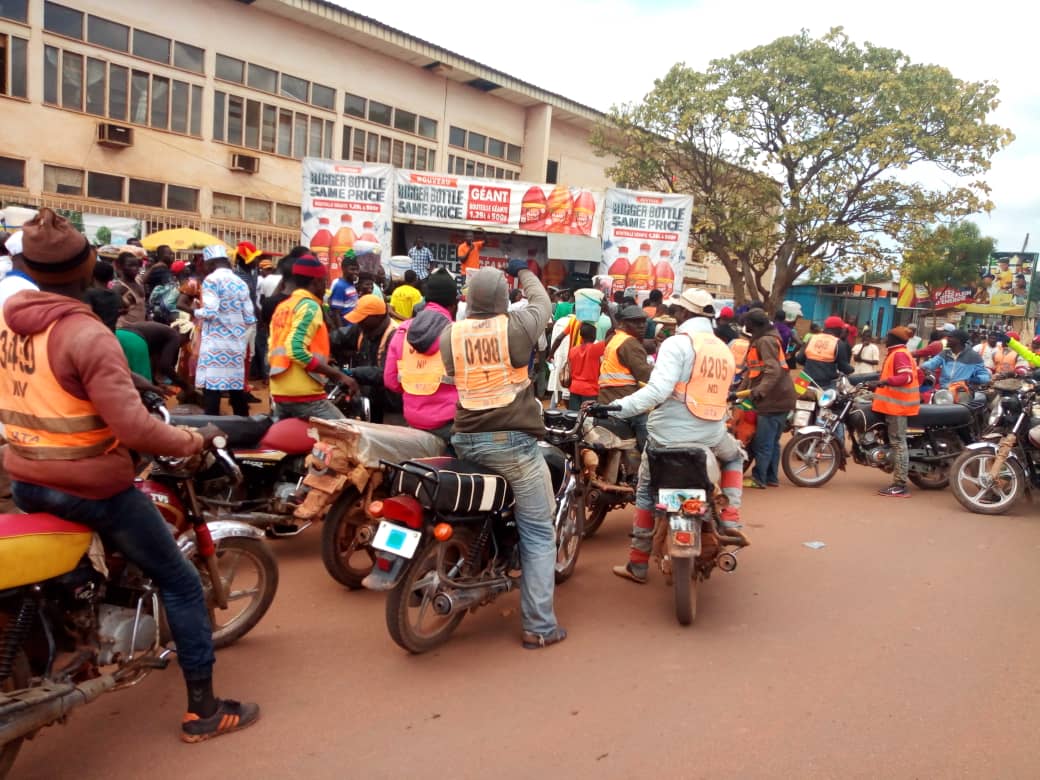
800 154
103 235
947 255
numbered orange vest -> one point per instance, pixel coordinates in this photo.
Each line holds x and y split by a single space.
904 401
279 356
420 374
42 421
705 392
1009 362
484 375
612 372
739 349
823 348
755 364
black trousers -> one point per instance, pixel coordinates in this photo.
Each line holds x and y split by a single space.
211 402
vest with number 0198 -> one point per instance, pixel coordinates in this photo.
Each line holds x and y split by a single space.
707 389
420 374
484 375
823 348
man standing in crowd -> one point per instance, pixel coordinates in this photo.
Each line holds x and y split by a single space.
584 360
772 394
421 257
499 423
866 355
344 294
405 296
226 316
897 396
469 251
991 350
724 325
128 266
365 341
826 354
87 476
625 368
266 286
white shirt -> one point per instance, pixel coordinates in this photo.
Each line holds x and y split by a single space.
863 352
267 286
989 354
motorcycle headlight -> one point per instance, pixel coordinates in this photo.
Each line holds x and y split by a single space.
942 397
827 398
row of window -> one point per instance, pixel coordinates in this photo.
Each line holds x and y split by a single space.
13 65
463 166
16 10
267 80
106 89
382 114
366 146
243 122
236 207
121 189
478 142
69 22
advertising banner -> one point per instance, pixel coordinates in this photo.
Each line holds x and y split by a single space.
645 238
347 206
495 204
1004 286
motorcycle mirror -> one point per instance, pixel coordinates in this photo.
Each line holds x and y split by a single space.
220 442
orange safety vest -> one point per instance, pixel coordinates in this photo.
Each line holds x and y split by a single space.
823 348
42 420
755 363
484 375
612 372
420 374
280 355
739 348
705 392
903 401
1009 362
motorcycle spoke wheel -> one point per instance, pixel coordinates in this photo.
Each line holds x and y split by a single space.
345 542
978 492
249 573
569 531
810 461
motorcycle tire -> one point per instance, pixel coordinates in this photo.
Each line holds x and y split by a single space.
930 482
795 467
341 541
409 595
568 540
19 678
595 512
967 468
685 586
259 554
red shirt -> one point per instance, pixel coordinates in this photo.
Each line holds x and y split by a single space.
585 360
903 369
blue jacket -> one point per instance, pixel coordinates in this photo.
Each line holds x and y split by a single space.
965 367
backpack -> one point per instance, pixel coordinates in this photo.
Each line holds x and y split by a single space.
159 308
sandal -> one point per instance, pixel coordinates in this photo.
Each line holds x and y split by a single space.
533 641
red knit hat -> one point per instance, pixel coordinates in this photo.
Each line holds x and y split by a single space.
247 252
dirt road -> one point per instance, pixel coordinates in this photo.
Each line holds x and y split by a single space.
904 648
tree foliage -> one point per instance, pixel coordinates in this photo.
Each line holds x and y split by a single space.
800 154
947 255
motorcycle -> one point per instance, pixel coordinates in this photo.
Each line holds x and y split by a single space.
935 437
610 468
69 608
991 475
448 542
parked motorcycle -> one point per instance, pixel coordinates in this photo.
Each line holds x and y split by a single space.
610 468
77 621
447 537
935 437
991 475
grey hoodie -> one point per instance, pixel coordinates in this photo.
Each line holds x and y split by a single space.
487 295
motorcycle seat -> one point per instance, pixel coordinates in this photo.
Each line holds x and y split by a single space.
929 416
463 488
241 431
291 436
37 547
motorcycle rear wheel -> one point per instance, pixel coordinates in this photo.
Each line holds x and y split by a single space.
810 462
568 538
967 488
347 559
20 678
596 509
685 586
260 588
930 481
411 600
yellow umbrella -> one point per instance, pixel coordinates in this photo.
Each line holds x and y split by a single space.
180 238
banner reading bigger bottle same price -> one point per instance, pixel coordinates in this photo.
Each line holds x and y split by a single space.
347 206
645 238
496 204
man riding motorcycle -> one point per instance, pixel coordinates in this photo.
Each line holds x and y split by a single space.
958 363
499 422
71 417
687 392
827 354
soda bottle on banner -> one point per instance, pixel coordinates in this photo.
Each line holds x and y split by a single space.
532 263
664 274
555 272
584 212
618 271
369 232
641 276
321 242
533 210
342 242
560 209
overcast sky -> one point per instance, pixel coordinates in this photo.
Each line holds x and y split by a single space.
602 52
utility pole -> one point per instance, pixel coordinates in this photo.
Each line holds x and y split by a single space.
1025 243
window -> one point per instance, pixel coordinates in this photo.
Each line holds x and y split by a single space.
427 127
355 106
196 110
257 210
18 10
182 198
96 78
470 168
359 145
456 136
409 156
397 154
118 78
298 89
263 78
234 120
384 150
323 97
552 171
299 136
403 120
476 142
285 132
372 148
314 144
219 114
64 181
252 139
268 128
480 170
230 69
188 57
12 66
72 81
513 153
226 206
63 21
104 186
179 107
50 75
287 215
108 34
139 97
12 171
151 47
146 193
496 148
330 129
160 113
379 112
420 159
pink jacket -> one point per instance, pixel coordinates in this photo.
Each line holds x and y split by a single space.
426 412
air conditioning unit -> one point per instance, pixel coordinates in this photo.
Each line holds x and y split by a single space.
115 135
246 163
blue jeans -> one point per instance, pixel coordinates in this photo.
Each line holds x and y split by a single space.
130 523
766 447
517 458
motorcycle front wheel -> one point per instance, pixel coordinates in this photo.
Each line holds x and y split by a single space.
977 492
249 571
810 461
568 535
685 586
345 537
411 617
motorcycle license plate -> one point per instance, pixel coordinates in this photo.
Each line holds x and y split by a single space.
674 498
394 539
801 418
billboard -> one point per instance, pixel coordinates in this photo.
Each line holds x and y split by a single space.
1005 287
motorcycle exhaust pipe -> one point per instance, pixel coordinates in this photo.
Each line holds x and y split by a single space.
256 519
50 710
446 604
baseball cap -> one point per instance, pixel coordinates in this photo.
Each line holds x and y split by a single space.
834 321
949 327
177 266
695 300
726 313
367 306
